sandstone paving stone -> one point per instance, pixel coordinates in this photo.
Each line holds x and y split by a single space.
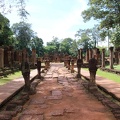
55 75
55 97
56 92
5 117
69 110
67 93
12 113
37 101
44 106
57 112
31 117
35 111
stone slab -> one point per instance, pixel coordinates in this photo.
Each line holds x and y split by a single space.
57 113
54 97
56 92
35 111
31 117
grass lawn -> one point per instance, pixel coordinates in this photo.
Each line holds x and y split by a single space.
110 76
10 77
116 67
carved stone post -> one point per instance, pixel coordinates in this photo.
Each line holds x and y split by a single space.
1 58
103 57
39 67
79 64
87 56
111 57
92 70
116 57
25 69
9 59
90 53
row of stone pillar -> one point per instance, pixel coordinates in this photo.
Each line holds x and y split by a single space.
10 56
100 56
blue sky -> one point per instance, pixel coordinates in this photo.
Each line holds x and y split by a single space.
58 18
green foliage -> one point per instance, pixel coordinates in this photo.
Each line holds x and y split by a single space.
65 45
53 46
5 31
37 43
85 39
115 37
7 5
108 14
107 11
24 34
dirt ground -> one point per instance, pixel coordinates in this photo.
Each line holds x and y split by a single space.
60 96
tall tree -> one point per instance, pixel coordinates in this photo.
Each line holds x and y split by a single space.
107 12
65 45
53 46
37 43
85 40
5 31
23 33
7 5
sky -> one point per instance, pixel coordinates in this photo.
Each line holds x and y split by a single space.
58 18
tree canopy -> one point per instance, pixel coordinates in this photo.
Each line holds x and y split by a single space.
107 11
5 31
108 14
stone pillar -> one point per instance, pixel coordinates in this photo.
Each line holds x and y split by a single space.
119 57
116 57
1 58
12 57
92 70
5 56
39 67
72 66
103 57
111 57
90 53
24 55
81 54
33 56
20 56
9 59
79 64
87 56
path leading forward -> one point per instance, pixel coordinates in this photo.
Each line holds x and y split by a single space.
61 97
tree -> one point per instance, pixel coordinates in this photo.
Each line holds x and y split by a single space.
53 46
84 39
24 34
65 45
7 5
5 31
73 49
37 43
107 11
115 37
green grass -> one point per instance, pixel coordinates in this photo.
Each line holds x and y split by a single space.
110 76
10 77
116 67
